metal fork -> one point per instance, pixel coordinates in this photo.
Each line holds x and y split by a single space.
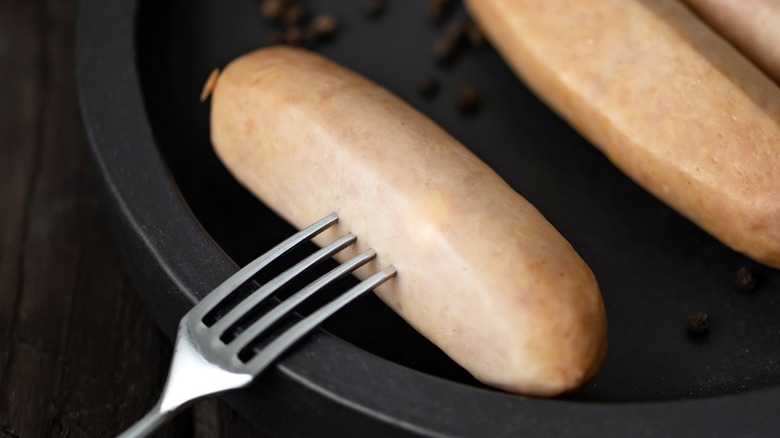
205 362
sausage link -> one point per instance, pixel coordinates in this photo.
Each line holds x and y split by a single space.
752 25
667 99
480 272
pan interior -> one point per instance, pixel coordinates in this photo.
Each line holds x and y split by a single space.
654 267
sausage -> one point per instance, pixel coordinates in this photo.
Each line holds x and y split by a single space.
480 272
752 25
668 100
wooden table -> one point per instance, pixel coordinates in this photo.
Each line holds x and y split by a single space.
79 355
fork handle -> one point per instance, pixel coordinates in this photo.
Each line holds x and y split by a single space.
149 423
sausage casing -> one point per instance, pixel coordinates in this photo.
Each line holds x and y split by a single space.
480 272
665 97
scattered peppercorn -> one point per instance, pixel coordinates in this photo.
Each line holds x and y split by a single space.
468 99
296 29
440 9
374 8
746 279
325 26
447 46
429 87
698 322
474 34
294 14
271 10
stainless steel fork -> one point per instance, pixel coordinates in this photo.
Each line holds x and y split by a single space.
206 361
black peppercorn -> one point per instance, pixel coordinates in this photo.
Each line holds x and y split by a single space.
746 279
439 9
429 87
271 10
448 45
468 99
374 8
474 34
698 322
324 26
294 14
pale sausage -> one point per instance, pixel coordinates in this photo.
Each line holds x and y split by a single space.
751 25
480 272
665 97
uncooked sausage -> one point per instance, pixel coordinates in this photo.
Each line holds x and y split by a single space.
480 272
752 25
665 97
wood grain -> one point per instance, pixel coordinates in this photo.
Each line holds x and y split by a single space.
79 355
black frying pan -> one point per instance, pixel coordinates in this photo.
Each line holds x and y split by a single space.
181 221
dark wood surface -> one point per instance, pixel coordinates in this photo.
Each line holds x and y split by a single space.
79 355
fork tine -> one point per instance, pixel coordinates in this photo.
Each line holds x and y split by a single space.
292 335
235 314
286 306
203 365
243 275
